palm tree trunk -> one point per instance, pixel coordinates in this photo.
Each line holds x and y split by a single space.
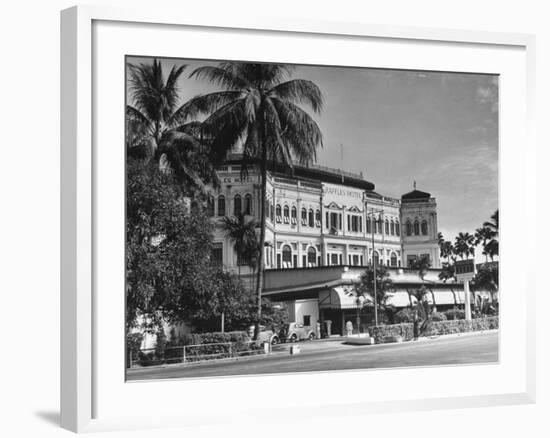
260 272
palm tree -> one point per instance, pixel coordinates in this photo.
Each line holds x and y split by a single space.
491 248
155 127
241 231
258 109
493 224
483 237
464 245
422 265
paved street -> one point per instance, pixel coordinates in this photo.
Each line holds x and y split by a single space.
335 355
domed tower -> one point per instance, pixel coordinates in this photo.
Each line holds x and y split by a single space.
419 222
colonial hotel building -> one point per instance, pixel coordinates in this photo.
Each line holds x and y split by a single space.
322 226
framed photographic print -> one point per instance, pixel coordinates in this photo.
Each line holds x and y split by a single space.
305 206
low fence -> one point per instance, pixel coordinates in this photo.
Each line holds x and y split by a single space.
435 328
195 353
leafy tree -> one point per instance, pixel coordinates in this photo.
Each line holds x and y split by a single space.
384 288
258 110
169 273
155 127
421 265
486 278
464 245
447 272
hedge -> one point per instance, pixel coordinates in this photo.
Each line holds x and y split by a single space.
436 328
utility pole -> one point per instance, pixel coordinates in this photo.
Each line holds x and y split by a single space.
369 214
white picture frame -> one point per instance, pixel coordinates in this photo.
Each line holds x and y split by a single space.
81 366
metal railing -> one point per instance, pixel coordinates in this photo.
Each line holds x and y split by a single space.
186 354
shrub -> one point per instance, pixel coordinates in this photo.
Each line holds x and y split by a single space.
382 333
455 313
438 316
404 316
133 345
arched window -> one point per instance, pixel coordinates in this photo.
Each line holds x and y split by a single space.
237 207
248 204
294 213
408 228
286 214
392 227
397 228
278 213
416 228
287 257
318 218
424 228
311 220
379 225
271 216
387 227
311 256
304 216
267 204
369 229
393 259
221 205
376 258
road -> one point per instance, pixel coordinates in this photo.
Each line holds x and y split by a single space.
335 355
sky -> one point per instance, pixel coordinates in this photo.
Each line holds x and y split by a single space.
439 129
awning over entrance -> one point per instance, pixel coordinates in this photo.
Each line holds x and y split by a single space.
341 297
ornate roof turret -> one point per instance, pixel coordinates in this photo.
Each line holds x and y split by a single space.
415 195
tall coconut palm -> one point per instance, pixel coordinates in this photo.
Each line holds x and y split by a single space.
156 128
258 108
464 245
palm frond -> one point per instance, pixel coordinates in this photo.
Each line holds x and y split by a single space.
222 75
201 105
300 91
299 130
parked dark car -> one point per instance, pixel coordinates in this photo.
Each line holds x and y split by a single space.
295 331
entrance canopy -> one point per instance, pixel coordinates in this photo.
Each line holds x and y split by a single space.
341 297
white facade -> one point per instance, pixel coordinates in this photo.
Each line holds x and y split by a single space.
324 217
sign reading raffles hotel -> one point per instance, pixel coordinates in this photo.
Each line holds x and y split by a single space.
325 217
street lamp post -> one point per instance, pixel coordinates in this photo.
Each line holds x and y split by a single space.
371 213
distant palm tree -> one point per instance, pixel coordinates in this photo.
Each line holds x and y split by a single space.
483 237
241 231
258 109
493 224
464 245
155 127
491 248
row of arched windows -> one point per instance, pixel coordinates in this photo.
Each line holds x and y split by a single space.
286 260
390 227
416 228
241 205
289 215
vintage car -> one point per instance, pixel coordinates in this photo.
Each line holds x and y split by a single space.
265 335
295 331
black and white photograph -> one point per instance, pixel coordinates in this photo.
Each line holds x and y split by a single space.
287 218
